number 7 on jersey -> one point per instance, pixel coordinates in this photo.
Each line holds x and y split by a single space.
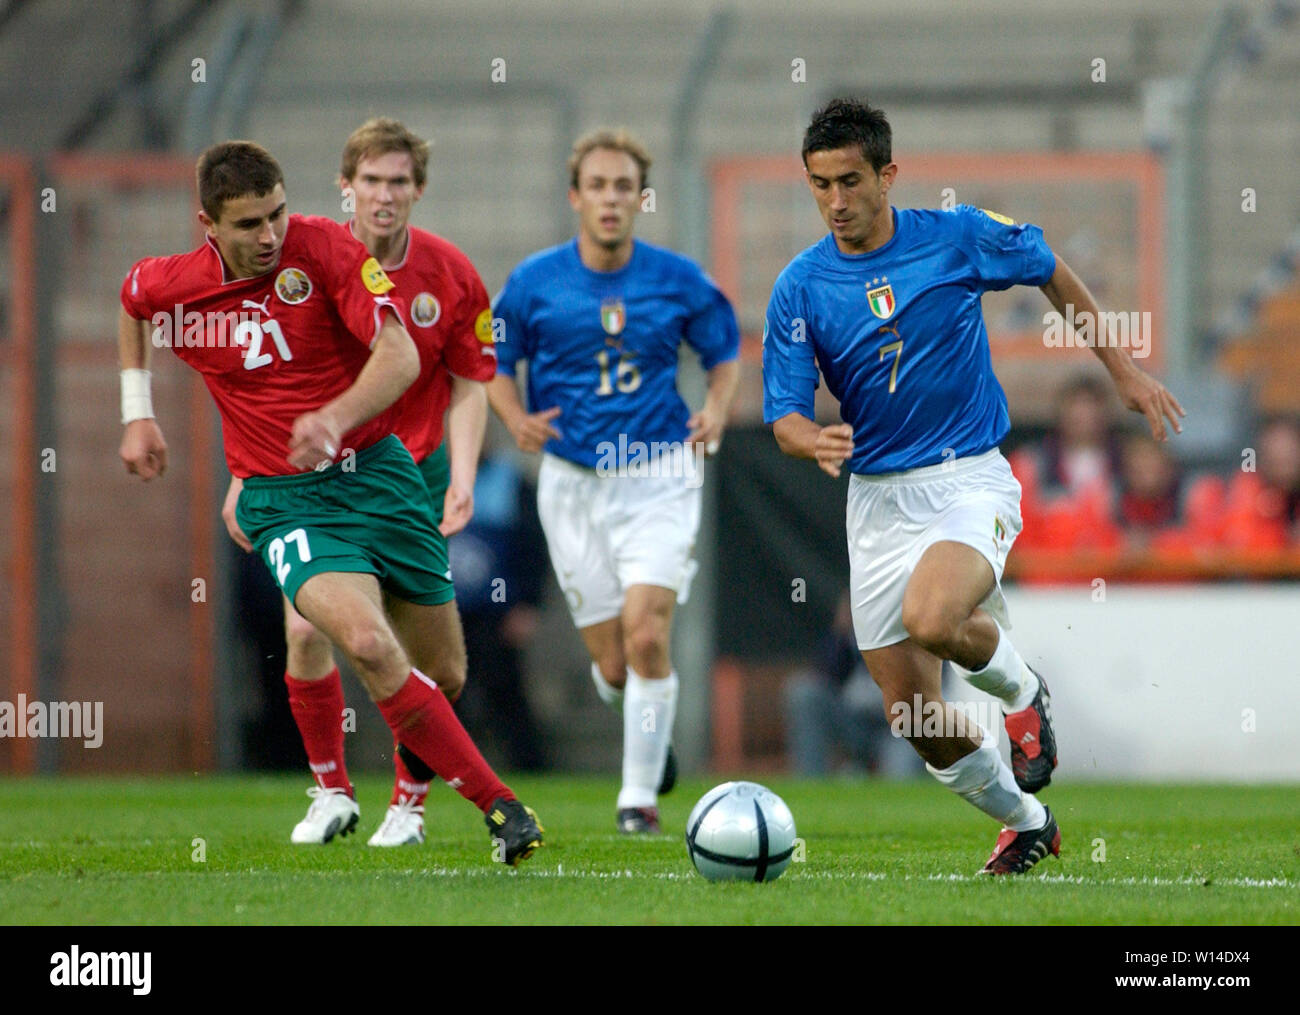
897 349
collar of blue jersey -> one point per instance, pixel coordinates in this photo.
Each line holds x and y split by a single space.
888 244
616 273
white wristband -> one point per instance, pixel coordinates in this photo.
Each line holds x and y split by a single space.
136 401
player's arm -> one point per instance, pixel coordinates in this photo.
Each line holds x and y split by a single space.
530 430
393 366
466 421
707 424
1138 390
143 450
799 437
790 385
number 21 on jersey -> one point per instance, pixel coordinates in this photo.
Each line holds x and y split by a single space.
251 332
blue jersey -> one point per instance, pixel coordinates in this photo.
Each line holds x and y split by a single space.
899 336
603 346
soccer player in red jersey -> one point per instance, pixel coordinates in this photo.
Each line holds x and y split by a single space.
305 381
384 170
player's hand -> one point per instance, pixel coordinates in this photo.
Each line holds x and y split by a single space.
314 441
834 445
457 510
228 515
534 429
143 450
706 428
1142 393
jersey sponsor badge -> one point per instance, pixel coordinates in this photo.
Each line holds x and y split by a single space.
292 285
998 218
483 327
881 301
425 310
373 276
613 316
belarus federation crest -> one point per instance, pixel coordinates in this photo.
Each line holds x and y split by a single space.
881 301
613 316
292 285
425 310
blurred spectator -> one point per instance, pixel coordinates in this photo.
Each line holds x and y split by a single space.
1149 495
1263 503
499 566
1067 481
1082 450
837 704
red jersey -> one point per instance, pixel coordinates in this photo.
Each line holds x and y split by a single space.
448 314
273 347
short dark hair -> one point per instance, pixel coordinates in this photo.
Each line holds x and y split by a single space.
234 169
842 123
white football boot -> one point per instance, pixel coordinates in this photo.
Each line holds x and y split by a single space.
332 812
403 825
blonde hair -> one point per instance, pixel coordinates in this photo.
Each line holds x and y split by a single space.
618 140
380 135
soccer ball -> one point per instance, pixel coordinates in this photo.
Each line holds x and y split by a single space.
740 831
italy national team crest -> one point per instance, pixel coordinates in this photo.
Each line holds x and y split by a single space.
292 285
881 301
613 317
425 310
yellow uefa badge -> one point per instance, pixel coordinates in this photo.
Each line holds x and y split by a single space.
998 218
483 327
374 278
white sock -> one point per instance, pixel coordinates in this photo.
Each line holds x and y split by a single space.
648 710
609 694
983 779
1005 676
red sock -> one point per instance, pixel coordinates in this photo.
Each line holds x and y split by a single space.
422 719
317 707
405 785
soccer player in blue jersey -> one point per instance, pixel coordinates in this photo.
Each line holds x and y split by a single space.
887 306
600 320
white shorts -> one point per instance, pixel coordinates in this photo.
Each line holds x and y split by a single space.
605 533
893 518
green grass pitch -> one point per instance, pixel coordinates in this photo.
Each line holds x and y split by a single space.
87 852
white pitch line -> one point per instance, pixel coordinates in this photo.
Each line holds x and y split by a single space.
630 875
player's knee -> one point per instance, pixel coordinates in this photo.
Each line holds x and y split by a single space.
929 625
450 679
646 641
371 647
301 636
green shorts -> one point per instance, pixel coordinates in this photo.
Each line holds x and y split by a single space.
437 477
372 514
